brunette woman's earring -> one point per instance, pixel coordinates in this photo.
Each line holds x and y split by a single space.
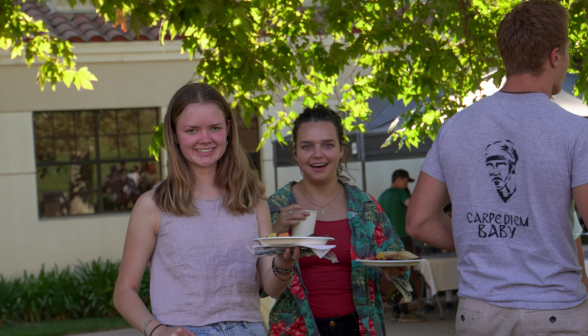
227 142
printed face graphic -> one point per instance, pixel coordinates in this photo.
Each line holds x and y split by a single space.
499 171
501 160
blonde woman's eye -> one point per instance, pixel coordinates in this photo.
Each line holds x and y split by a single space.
216 128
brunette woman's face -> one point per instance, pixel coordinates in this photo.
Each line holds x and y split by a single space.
201 133
318 150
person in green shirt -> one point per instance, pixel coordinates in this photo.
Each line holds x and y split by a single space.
395 201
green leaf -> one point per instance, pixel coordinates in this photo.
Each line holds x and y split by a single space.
157 142
267 53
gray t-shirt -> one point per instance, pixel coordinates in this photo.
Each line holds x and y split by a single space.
510 162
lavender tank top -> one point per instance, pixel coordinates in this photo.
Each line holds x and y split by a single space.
201 271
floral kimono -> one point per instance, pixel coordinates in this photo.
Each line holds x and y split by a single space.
371 233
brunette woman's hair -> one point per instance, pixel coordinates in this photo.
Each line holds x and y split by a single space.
233 173
324 113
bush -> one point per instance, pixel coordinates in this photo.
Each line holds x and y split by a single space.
58 295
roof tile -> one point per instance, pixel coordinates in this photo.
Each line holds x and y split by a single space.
83 27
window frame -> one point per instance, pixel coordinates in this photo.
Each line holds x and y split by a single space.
97 161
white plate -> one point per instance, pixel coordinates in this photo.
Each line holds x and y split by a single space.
390 263
293 241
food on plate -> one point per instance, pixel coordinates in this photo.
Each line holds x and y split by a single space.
396 255
273 234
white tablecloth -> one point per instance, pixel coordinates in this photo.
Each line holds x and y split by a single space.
441 274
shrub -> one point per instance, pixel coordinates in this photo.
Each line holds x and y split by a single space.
57 295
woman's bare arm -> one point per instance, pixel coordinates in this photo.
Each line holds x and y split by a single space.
139 246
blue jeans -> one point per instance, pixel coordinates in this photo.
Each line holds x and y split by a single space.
229 329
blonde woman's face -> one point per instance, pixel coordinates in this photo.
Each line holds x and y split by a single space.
202 134
318 151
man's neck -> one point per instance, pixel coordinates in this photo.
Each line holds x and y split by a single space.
526 83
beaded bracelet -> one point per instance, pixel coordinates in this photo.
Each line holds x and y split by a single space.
280 271
145 325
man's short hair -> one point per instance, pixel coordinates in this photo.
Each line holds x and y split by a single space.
401 173
529 33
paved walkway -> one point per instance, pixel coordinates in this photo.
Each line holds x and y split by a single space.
433 326
120 332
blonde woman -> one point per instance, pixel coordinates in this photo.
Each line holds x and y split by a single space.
193 229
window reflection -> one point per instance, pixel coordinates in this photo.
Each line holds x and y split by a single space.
125 182
66 190
84 167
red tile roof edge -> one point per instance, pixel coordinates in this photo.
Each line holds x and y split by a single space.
83 28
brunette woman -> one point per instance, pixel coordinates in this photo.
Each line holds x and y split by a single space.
325 298
193 229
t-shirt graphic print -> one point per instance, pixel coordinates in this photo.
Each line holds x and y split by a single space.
501 161
510 163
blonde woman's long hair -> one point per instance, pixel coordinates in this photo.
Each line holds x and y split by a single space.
240 184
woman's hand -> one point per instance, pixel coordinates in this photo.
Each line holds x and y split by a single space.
289 215
288 259
172 331
391 271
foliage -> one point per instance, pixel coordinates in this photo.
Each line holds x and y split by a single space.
157 141
30 39
59 328
263 53
86 291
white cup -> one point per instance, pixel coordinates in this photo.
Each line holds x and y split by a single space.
306 227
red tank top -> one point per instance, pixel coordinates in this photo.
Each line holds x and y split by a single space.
329 285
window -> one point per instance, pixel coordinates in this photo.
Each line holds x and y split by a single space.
93 161
249 137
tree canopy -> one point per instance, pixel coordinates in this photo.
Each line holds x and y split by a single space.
263 53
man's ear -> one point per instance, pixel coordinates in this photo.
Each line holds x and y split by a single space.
554 57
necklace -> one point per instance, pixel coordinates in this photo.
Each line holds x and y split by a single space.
518 91
323 210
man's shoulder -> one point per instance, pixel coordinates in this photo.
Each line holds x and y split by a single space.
388 192
393 192
495 107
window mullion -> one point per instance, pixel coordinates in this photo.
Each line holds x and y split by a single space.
53 135
98 165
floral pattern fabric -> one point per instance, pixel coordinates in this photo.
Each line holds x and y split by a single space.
371 233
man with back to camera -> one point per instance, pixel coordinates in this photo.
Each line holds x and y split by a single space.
513 164
394 201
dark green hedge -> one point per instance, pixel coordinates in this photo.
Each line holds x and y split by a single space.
85 291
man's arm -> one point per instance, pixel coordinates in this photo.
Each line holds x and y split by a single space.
425 220
581 261
580 194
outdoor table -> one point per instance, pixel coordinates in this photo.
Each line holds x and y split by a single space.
440 273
